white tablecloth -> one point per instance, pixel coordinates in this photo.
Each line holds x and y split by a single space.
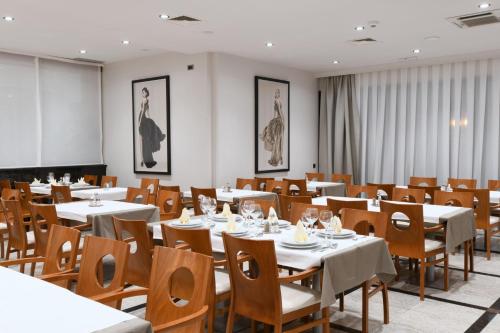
46 188
235 195
113 193
31 305
495 197
327 188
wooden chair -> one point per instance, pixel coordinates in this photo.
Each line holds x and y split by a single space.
277 186
90 179
187 276
286 204
296 186
355 191
264 204
137 195
408 195
429 191
195 195
362 222
341 178
459 199
298 208
337 206
7 194
489 224
60 194
170 204
262 182
60 255
110 180
151 184
411 242
423 181
242 183
4 183
462 183
315 176
27 197
172 188
43 217
494 185
385 190
198 240
139 262
268 307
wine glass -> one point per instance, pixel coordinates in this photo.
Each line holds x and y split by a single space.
311 215
256 214
67 178
246 209
211 207
326 219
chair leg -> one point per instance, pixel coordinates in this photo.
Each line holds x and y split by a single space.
230 320
23 255
466 260
211 318
7 255
2 247
33 267
422 279
326 319
487 240
253 326
398 267
364 304
446 272
471 256
385 301
341 302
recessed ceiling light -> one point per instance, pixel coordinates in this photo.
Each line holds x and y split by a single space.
164 16
336 62
125 42
416 51
83 51
359 28
432 38
8 18
269 44
484 5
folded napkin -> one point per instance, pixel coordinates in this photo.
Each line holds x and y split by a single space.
36 181
53 181
231 225
337 225
226 210
300 233
272 217
185 218
81 181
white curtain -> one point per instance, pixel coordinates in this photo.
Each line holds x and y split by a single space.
50 112
441 120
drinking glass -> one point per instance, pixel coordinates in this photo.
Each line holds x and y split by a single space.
246 209
211 207
311 215
326 219
67 178
256 214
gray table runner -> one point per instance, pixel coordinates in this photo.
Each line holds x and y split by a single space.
337 190
460 226
102 224
130 326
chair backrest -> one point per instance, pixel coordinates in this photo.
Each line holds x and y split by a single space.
482 207
384 189
267 306
362 221
262 182
137 195
26 195
172 188
4 183
367 191
296 186
277 186
195 194
408 195
298 208
315 176
337 206
90 179
170 204
13 213
95 250
247 183
286 204
43 217
198 240
462 183
423 181
494 185
341 178
62 249
407 242
61 194
139 261
264 204
429 191
187 276
151 184
112 180
11 194
457 199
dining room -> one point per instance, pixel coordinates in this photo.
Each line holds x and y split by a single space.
251 166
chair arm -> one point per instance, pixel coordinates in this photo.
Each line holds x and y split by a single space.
40 197
48 276
16 262
495 206
82 226
61 277
220 263
182 246
119 295
299 276
434 229
182 322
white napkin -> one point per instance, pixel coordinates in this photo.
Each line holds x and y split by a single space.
300 233
226 210
36 181
81 181
53 181
231 225
185 218
337 225
272 216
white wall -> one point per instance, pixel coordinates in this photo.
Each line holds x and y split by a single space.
212 117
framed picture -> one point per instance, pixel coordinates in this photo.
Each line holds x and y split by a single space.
272 125
151 122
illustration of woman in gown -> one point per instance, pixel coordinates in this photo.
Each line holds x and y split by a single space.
151 135
273 133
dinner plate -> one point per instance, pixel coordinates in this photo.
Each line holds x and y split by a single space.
289 240
345 233
283 223
190 224
300 247
240 231
220 218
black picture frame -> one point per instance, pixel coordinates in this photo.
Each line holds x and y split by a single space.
258 131
164 168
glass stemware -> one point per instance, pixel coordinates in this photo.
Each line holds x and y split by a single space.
256 215
326 219
211 206
311 216
247 209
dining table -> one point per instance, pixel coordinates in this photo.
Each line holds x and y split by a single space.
110 193
236 195
101 217
327 188
494 195
46 189
32 305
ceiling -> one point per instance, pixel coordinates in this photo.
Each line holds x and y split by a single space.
308 34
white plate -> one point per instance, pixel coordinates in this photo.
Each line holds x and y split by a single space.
220 218
301 247
240 230
289 240
345 233
284 223
191 224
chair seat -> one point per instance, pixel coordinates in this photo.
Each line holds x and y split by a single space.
295 297
431 245
494 219
222 282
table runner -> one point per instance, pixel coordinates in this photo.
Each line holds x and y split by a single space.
327 188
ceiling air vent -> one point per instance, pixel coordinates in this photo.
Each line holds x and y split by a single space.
476 20
363 41
184 18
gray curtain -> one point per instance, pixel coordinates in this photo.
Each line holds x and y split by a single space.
339 128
